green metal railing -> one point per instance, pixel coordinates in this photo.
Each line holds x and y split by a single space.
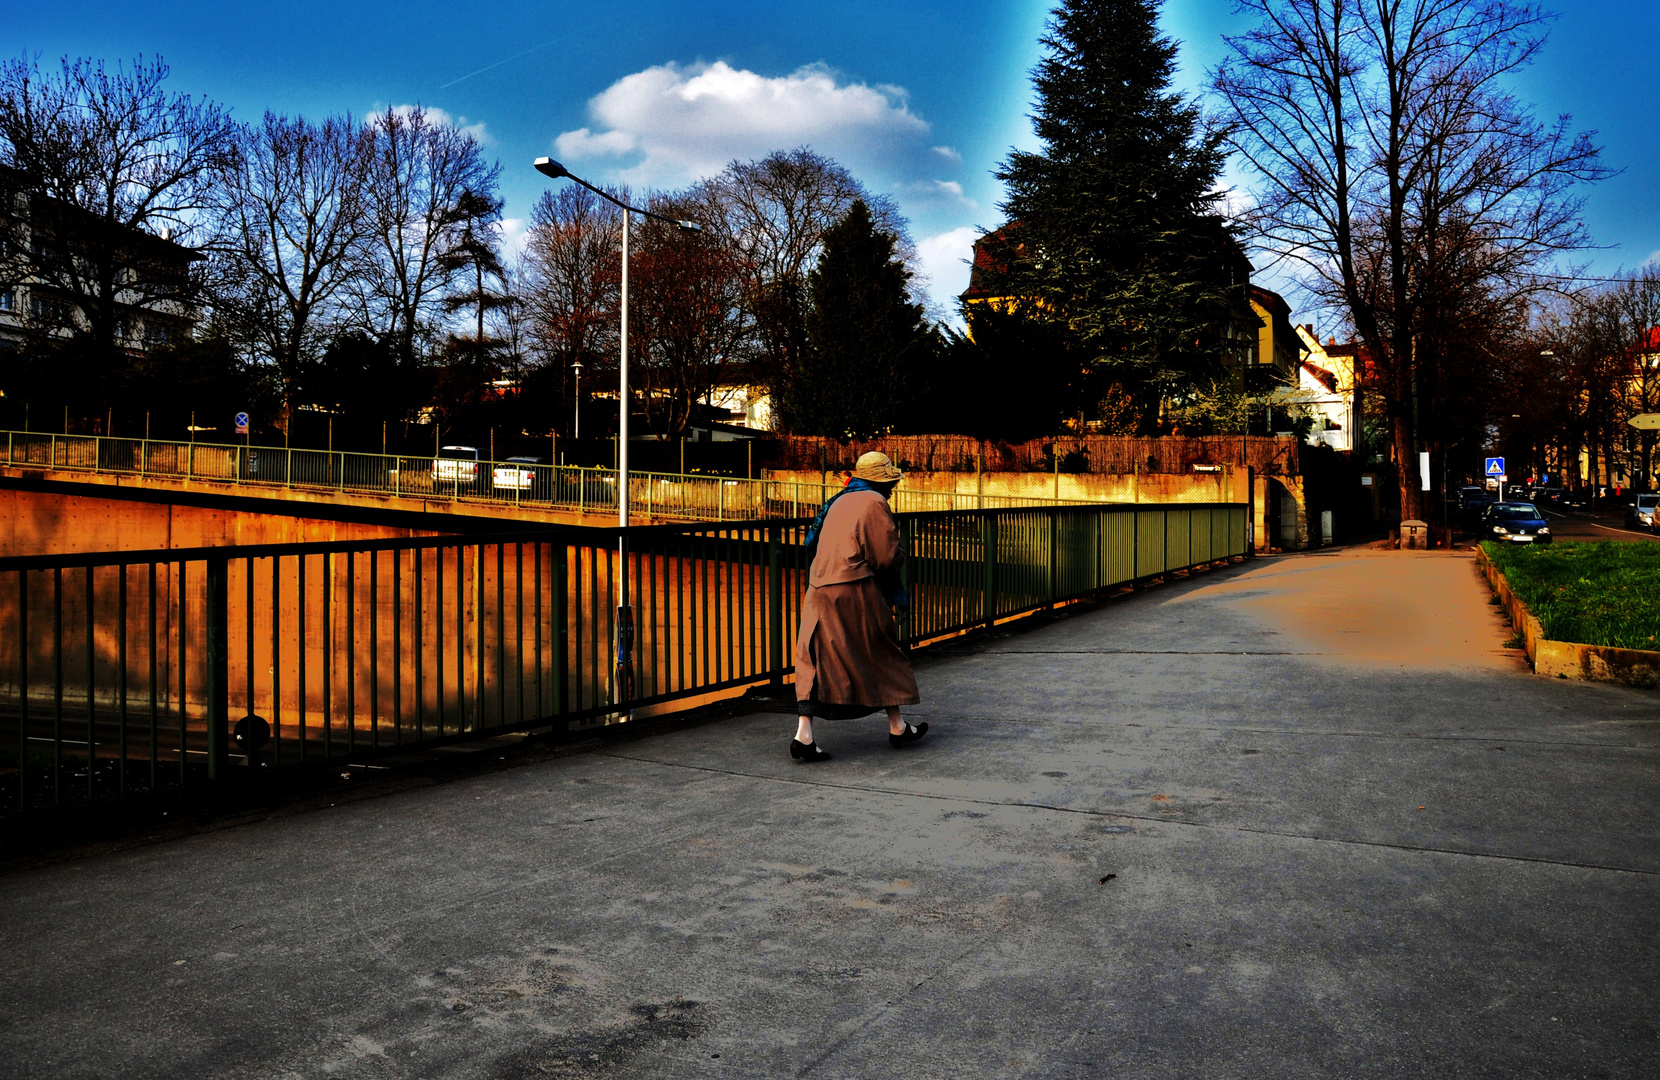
660 496
130 673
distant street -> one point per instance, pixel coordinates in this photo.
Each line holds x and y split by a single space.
1593 525
1303 817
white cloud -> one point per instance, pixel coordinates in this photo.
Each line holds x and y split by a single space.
1653 258
672 123
945 259
949 153
513 237
948 192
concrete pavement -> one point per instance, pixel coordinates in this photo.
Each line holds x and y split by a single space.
1251 824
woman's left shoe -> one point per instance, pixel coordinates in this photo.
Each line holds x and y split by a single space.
911 734
808 752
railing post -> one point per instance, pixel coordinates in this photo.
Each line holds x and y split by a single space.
190 463
1054 551
988 539
775 607
904 619
558 586
218 667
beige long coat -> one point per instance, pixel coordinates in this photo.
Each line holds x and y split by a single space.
846 654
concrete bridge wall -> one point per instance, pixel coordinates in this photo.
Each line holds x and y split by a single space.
1226 485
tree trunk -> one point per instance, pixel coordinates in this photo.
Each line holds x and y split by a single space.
1406 468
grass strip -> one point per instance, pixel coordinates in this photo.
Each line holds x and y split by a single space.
1600 593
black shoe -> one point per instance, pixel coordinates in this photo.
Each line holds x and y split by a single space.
912 733
808 752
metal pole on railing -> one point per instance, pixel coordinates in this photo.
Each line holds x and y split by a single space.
217 689
988 539
775 607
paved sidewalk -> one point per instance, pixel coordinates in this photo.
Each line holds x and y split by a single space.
1247 825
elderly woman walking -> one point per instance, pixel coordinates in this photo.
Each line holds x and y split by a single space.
848 662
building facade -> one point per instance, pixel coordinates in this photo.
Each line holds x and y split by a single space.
64 270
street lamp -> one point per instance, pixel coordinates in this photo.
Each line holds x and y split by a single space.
576 398
625 613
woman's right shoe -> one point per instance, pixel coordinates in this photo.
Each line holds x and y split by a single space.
808 752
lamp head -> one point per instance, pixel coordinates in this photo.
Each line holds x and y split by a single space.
689 226
549 167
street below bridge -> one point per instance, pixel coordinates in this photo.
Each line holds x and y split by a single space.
1300 817
1587 526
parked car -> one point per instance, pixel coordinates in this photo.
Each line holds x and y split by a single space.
521 475
1640 514
456 467
1474 507
1515 523
1465 494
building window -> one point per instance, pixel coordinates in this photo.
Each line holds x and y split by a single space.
8 300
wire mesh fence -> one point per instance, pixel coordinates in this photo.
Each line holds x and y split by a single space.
515 482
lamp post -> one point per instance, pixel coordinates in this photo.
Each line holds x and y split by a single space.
625 613
576 398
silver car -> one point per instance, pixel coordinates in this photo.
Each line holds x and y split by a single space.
1640 514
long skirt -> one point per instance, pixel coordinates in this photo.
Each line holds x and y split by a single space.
848 662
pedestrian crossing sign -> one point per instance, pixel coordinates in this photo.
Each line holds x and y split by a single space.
1495 466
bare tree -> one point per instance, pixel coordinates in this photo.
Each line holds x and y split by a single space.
1615 337
296 226
775 212
421 173
687 323
1402 176
509 316
108 173
570 275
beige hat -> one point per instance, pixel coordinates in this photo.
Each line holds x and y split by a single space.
876 467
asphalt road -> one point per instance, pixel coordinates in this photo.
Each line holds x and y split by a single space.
1300 818
1593 525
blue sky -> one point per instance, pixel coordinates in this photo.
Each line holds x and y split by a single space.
921 100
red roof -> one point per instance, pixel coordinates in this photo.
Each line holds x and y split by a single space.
990 271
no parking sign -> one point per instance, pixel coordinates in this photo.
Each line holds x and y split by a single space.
242 423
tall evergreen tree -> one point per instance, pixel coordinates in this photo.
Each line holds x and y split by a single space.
1115 218
866 342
